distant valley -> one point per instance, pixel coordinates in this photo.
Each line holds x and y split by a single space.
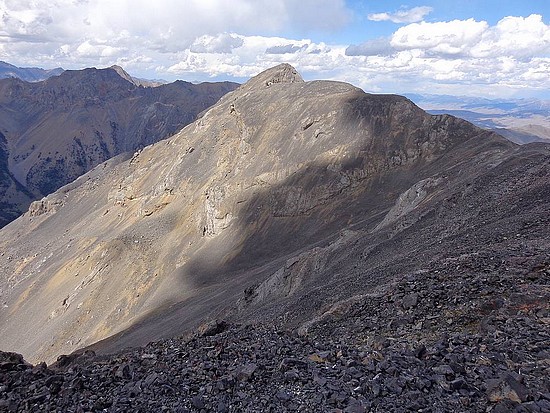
520 120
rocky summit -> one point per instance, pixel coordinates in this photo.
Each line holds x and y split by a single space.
303 246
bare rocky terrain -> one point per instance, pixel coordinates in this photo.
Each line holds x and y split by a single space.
303 246
55 130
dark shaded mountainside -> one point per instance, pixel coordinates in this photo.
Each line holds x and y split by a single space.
53 131
366 255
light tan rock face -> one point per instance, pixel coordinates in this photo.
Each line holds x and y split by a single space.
154 244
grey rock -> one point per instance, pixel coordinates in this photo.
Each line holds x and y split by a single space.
444 369
197 402
245 372
410 301
506 388
283 396
124 371
212 328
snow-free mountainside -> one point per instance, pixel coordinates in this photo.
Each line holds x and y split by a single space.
53 131
302 246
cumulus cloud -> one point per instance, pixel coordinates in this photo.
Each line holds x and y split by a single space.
90 50
217 39
413 15
376 47
222 43
452 37
459 56
283 49
519 37
259 53
162 28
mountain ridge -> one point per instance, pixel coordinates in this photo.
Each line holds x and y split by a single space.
519 120
271 170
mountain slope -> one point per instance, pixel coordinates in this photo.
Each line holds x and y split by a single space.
58 129
13 195
281 201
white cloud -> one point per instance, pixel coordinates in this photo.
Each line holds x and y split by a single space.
80 33
375 47
518 37
222 43
284 49
258 53
538 71
403 15
171 22
90 50
452 37
444 38
460 56
217 39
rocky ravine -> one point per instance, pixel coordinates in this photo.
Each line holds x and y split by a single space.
53 131
409 253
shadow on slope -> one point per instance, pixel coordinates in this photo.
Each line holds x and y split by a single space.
400 146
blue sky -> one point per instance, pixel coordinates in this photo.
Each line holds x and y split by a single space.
484 48
360 27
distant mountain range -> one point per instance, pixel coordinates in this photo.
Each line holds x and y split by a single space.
55 130
520 120
28 74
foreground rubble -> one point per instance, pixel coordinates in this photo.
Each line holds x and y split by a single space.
502 367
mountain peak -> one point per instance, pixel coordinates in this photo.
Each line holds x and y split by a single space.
134 80
283 73
122 73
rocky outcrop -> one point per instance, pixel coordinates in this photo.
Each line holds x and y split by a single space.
216 218
44 206
291 277
409 200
